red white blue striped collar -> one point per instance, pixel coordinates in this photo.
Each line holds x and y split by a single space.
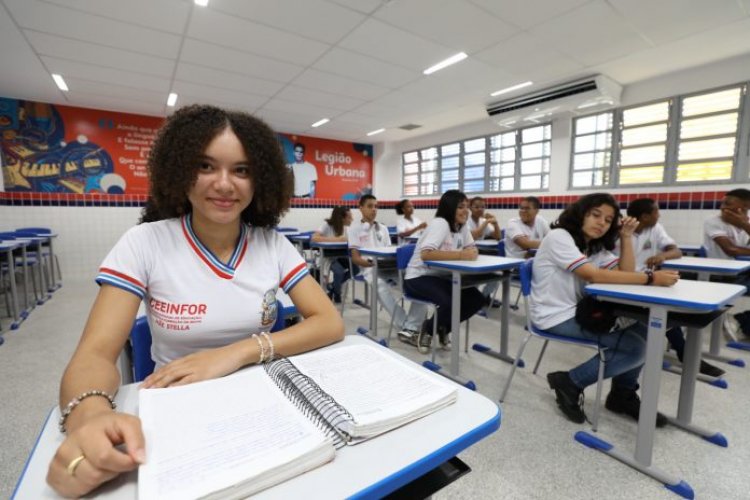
219 268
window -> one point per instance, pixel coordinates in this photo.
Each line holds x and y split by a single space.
420 172
533 168
475 162
592 150
643 144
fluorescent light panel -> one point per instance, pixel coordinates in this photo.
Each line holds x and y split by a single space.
60 82
511 89
376 131
202 3
320 122
172 99
444 64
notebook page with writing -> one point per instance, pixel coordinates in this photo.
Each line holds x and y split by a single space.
380 392
231 437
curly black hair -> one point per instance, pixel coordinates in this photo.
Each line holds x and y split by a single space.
572 221
175 158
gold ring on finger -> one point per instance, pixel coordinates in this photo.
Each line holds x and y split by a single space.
73 465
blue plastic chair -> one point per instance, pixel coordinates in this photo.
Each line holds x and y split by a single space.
525 273
142 365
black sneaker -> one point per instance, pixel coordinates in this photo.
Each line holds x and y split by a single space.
710 370
445 338
496 304
569 396
627 401
424 342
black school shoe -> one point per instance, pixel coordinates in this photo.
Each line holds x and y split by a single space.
711 370
621 400
569 396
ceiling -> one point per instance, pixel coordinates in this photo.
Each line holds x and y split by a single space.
357 62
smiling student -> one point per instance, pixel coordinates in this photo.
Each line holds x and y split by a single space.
578 250
206 262
407 224
526 232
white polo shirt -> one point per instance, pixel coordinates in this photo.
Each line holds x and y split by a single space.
488 230
714 227
516 228
327 231
364 234
647 243
555 289
193 300
437 236
404 224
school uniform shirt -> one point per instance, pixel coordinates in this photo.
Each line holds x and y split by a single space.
714 227
487 233
649 242
404 224
555 289
516 228
367 235
194 301
437 236
327 231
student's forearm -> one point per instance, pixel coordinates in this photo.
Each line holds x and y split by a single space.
627 258
441 255
618 277
527 244
84 373
672 253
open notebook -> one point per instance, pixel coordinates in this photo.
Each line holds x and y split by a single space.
234 436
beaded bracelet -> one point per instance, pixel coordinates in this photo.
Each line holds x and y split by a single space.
77 400
261 348
270 345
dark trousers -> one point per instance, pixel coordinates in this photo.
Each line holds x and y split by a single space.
438 291
340 270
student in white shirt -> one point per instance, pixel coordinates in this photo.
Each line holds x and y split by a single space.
727 235
651 247
578 250
368 232
407 223
526 232
482 226
207 262
447 237
334 229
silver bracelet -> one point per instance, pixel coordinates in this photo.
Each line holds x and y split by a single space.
77 400
262 349
270 345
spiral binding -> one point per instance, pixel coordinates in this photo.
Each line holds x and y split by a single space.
316 404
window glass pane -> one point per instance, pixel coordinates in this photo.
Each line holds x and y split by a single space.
450 149
644 135
709 103
429 153
428 189
710 125
450 175
474 145
704 171
474 173
411 179
592 142
474 159
411 157
535 134
537 166
535 150
428 166
582 179
474 186
429 177
507 184
411 168
646 114
411 190
711 148
506 154
642 175
503 140
451 162
644 155
445 186
587 161
531 182
503 170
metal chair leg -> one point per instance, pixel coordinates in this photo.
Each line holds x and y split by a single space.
599 384
541 355
514 366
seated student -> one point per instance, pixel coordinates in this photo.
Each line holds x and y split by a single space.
526 232
651 247
334 229
726 236
370 233
206 262
484 226
407 223
578 250
447 237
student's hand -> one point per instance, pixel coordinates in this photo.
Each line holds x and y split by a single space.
737 218
96 441
422 225
490 219
628 225
666 278
655 261
470 253
202 365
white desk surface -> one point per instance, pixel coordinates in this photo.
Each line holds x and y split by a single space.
695 295
484 263
389 251
717 266
367 470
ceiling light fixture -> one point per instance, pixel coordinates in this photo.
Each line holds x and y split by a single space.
172 99
444 64
375 132
511 89
60 82
320 122
202 3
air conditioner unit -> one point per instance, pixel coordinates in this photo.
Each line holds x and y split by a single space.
578 96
